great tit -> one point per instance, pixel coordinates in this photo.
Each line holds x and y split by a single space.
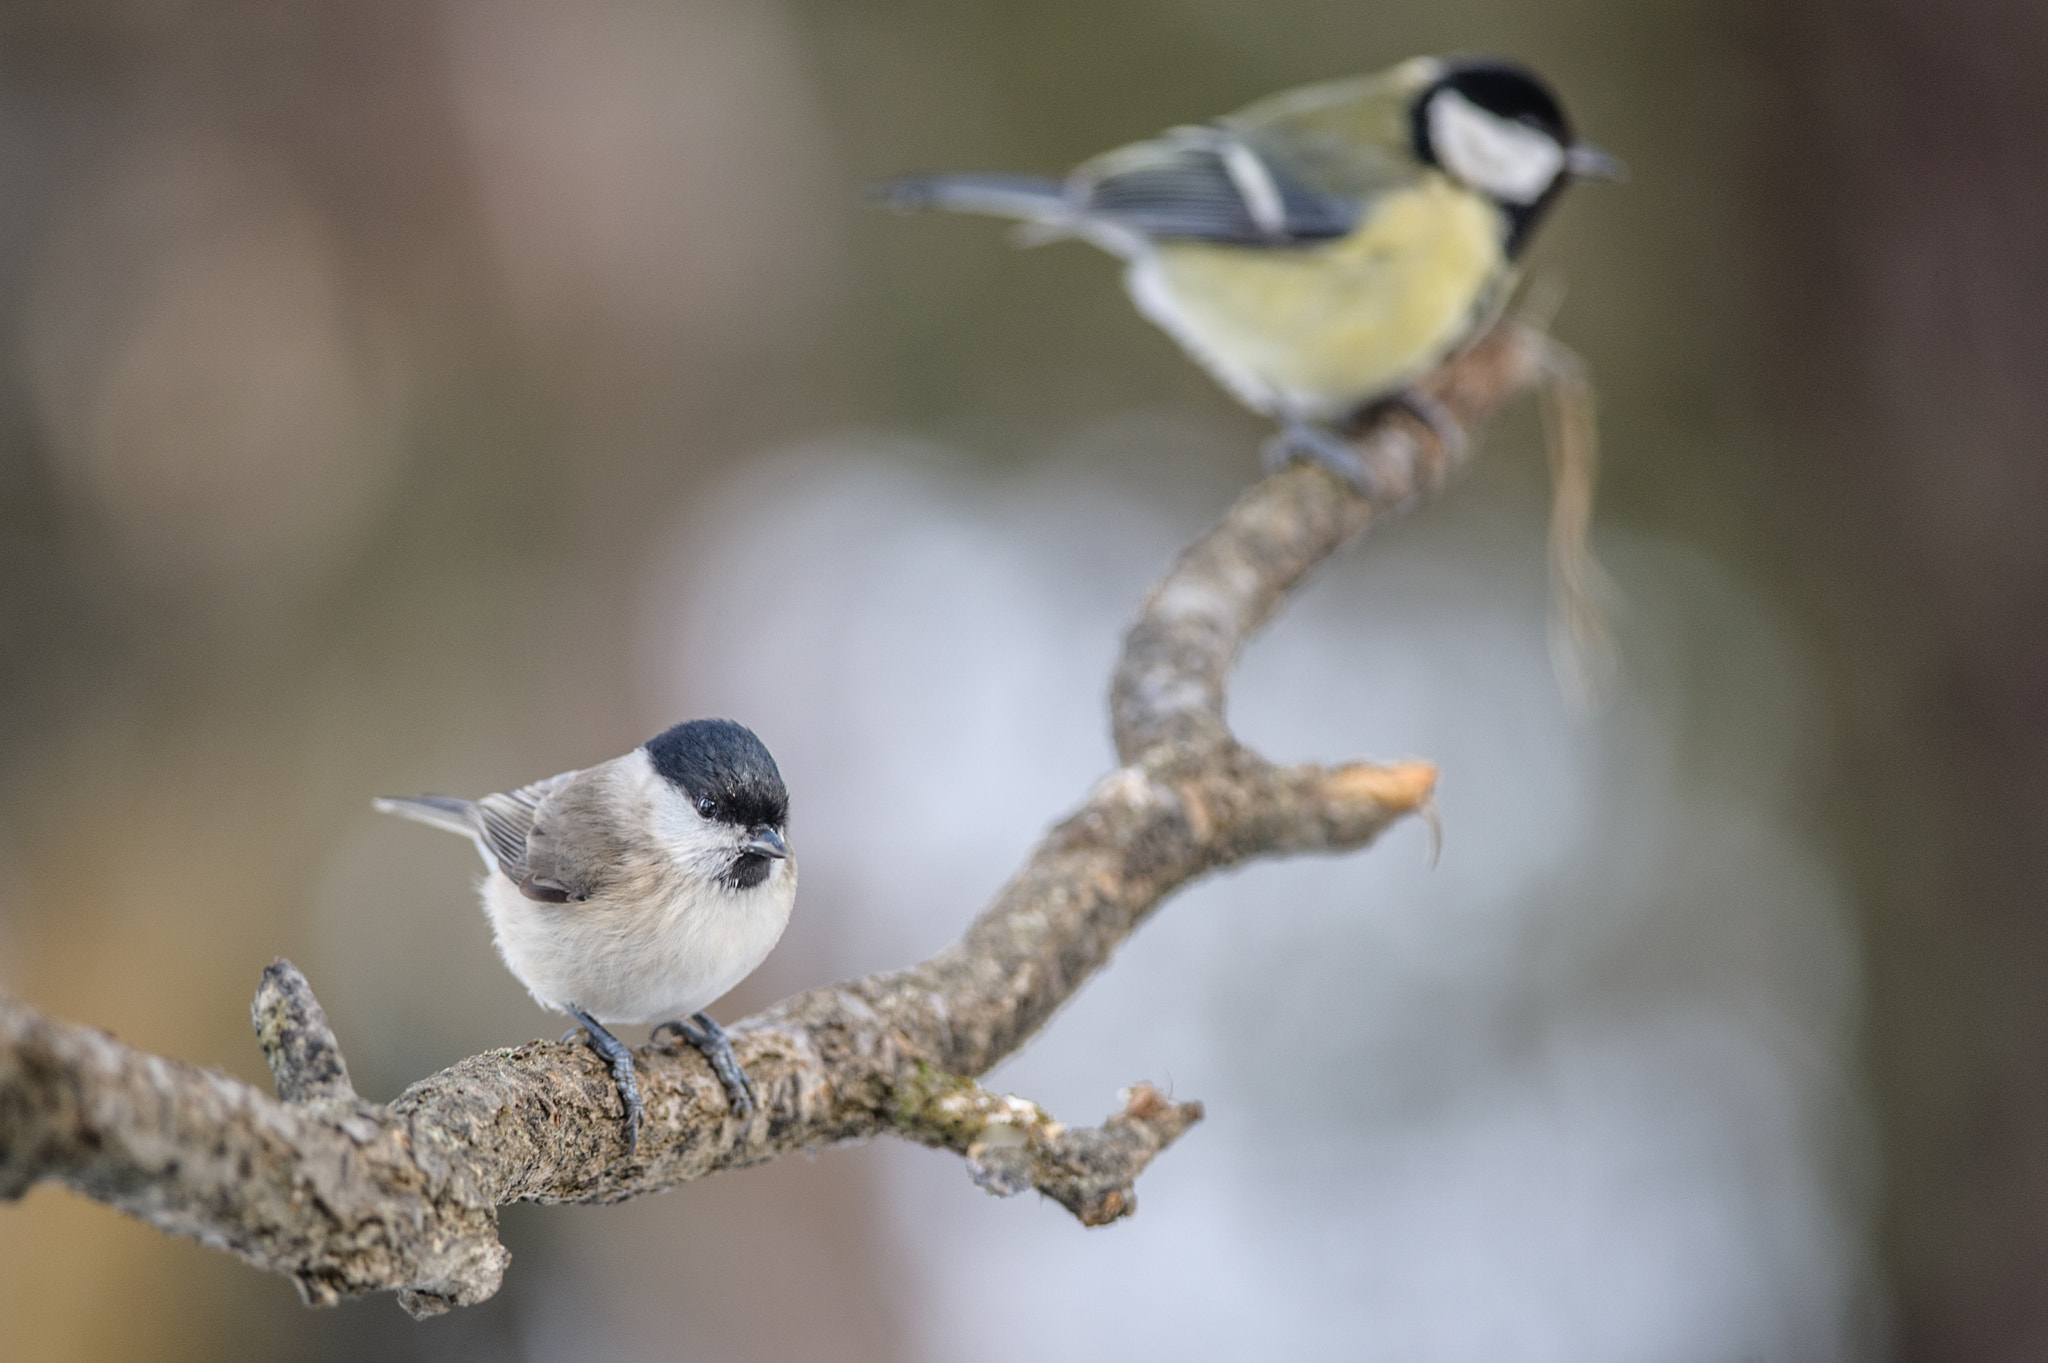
641 888
1323 249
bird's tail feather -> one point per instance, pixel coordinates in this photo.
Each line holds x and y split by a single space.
1028 197
438 811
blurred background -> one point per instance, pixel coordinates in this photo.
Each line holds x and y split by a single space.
409 397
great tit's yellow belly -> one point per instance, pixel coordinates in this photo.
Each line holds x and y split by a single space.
1316 331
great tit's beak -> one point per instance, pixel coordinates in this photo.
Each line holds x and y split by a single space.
1587 162
765 842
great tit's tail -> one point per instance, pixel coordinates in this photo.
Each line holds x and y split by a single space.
1030 198
437 811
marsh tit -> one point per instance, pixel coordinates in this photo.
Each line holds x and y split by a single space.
1322 250
642 888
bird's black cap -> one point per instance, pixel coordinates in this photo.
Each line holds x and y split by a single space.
720 761
1508 91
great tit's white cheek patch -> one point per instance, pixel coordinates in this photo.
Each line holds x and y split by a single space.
1510 161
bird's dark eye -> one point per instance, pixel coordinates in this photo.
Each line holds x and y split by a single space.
707 806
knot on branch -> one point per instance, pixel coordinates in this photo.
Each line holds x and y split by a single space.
292 1029
306 1064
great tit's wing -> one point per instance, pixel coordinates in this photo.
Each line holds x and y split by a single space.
1299 167
1202 184
1302 166
1198 184
1205 184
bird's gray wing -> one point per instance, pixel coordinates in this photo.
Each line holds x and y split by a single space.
1195 184
1207 184
523 831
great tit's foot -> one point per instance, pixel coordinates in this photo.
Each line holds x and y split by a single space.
711 1042
1433 414
1298 439
621 1060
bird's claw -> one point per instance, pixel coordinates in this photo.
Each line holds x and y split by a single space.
711 1042
1425 408
1298 439
621 1061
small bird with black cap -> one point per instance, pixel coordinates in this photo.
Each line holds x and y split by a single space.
642 888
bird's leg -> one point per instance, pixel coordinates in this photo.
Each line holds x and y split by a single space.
711 1042
621 1060
1300 439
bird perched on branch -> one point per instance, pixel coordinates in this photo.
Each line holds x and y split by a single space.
1323 249
641 888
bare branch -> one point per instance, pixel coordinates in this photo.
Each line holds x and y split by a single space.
349 1197
1011 1144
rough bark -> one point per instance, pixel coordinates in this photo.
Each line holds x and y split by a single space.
349 1197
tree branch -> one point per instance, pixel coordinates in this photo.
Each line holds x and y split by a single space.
349 1197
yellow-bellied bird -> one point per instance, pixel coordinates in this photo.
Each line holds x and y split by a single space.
1323 249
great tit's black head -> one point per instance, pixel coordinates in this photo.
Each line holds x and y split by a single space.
1497 128
724 771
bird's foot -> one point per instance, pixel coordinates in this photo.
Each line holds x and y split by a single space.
1433 414
711 1042
1298 439
621 1060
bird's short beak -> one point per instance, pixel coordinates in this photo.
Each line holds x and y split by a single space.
1587 162
765 842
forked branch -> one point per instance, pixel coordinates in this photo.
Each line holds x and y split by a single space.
349 1197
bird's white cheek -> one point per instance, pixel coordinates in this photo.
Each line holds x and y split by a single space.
1507 160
